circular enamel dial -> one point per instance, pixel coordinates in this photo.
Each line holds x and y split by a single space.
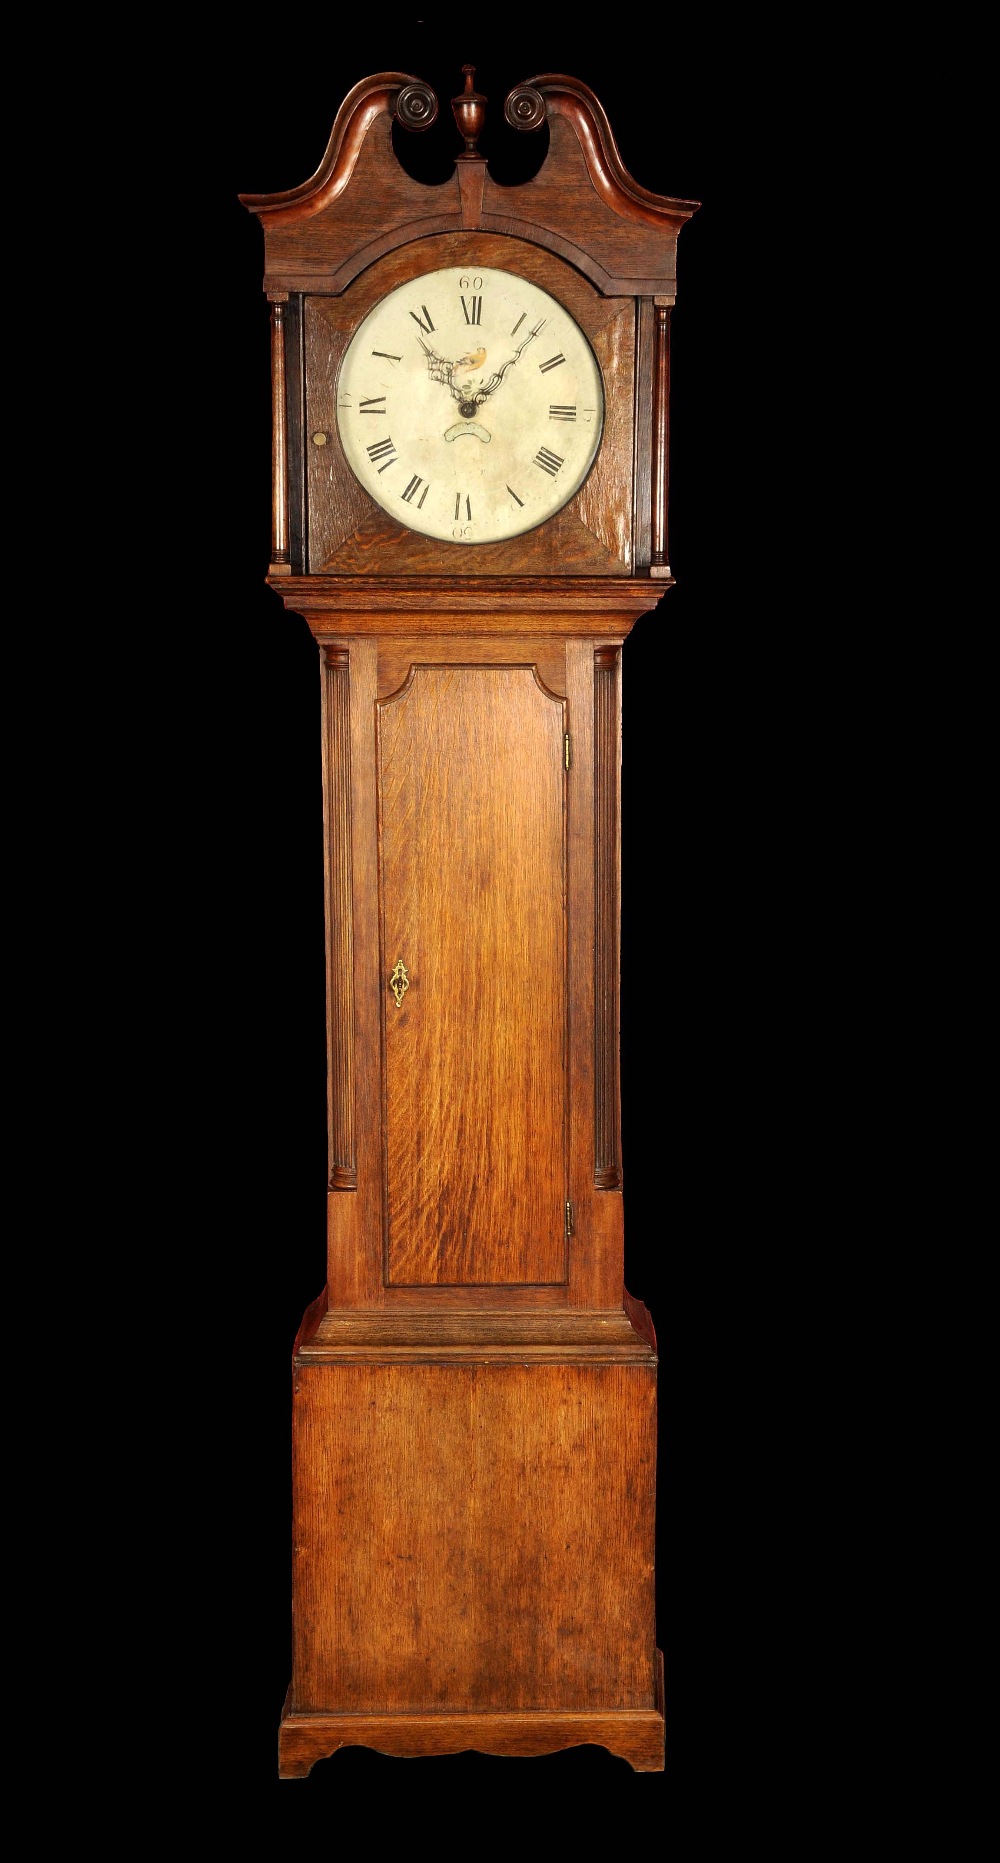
470 405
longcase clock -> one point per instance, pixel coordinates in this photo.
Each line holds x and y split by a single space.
470 399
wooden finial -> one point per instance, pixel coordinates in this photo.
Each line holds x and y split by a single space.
470 115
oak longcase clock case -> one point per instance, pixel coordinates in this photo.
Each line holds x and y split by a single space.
470 403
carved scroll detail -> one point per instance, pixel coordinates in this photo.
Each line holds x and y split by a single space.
552 94
607 1146
339 909
416 105
525 108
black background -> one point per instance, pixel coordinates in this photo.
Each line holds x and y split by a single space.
720 697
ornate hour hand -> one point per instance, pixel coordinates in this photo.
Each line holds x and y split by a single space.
441 370
438 369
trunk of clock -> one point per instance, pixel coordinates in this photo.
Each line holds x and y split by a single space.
472 896
474 1412
472 821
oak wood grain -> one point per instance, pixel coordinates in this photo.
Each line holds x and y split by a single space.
396 657
604 501
502 1335
357 1276
471 181
313 238
472 827
457 1354
607 917
473 1537
338 504
355 1222
582 204
585 1289
339 917
572 101
637 1736
486 1326
356 1242
553 1295
564 211
387 605
470 250
597 1247
362 108
565 544
350 534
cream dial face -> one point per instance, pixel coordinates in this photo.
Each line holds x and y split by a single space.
470 405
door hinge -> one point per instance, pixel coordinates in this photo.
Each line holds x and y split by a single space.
566 749
569 1219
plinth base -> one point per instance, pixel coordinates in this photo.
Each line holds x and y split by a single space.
473 1545
632 1734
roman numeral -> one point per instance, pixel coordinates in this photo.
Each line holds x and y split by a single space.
556 412
379 450
477 310
514 332
549 462
413 488
385 353
553 363
375 404
517 500
425 327
458 507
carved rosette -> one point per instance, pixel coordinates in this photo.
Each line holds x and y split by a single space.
525 108
416 105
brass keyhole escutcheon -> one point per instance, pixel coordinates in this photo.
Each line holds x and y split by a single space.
399 982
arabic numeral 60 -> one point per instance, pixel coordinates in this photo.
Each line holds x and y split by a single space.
466 283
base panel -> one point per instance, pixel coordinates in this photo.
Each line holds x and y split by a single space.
635 1735
473 1539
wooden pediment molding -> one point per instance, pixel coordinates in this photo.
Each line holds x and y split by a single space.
583 204
554 96
391 93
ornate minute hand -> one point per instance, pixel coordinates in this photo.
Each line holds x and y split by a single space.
493 384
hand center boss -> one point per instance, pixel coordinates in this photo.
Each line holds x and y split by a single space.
469 404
